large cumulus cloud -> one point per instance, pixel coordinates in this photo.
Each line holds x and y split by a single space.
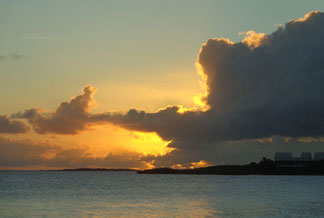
275 88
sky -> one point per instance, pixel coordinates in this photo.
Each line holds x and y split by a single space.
141 84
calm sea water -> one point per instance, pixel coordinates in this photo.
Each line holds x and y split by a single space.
127 194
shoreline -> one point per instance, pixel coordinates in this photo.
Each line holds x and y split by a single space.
266 167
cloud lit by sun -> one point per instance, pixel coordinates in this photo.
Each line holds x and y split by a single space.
102 140
149 144
200 98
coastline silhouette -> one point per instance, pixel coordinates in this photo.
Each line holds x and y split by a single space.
264 167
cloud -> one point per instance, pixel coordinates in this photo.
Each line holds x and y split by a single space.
265 86
12 126
13 56
274 88
70 117
44 155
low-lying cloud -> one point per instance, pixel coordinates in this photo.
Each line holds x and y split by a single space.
12 126
54 156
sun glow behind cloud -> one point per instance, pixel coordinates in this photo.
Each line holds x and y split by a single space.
102 140
101 146
200 98
150 144
252 39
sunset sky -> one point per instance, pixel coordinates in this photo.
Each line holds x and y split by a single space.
142 84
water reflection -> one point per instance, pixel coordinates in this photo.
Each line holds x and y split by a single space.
127 194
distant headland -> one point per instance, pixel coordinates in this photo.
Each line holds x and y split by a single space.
284 164
95 169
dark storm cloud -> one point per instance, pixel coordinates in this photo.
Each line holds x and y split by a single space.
275 88
70 117
11 126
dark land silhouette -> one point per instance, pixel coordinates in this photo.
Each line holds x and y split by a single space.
94 169
264 167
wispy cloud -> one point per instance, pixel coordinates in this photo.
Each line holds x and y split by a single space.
13 57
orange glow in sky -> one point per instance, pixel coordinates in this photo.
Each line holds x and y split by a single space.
102 140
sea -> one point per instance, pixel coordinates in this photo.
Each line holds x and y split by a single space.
128 194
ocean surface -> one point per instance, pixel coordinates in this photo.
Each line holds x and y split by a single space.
128 194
